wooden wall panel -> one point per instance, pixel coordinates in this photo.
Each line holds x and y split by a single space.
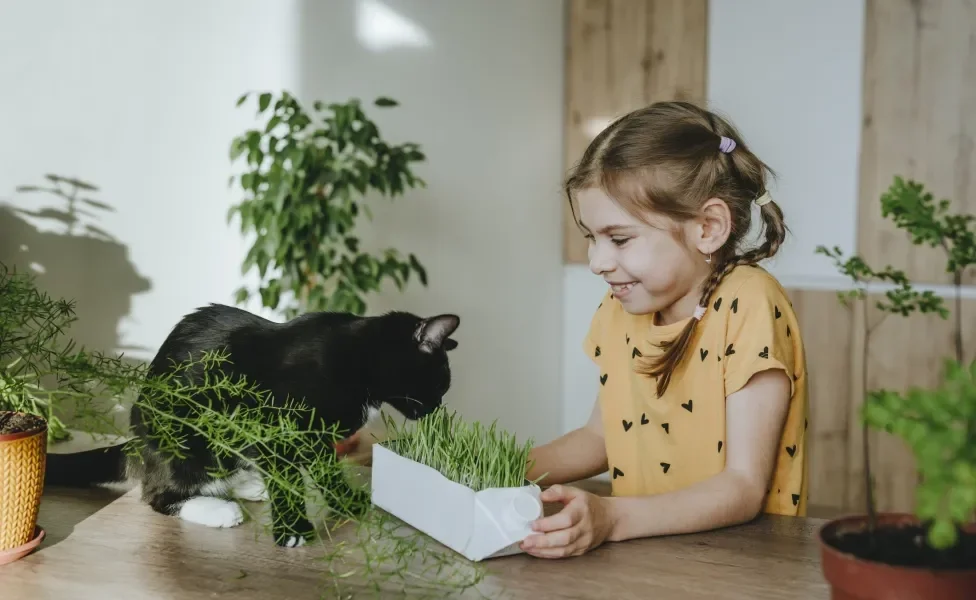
621 55
903 352
825 325
919 120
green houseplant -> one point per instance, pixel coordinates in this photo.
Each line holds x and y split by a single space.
41 367
39 364
931 553
305 180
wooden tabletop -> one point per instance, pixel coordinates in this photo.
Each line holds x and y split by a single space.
102 545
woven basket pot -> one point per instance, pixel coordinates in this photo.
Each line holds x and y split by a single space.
22 460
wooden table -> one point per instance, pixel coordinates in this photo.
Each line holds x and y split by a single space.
102 545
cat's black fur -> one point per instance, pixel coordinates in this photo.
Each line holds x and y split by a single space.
340 364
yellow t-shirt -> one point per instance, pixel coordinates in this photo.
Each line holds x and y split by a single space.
657 445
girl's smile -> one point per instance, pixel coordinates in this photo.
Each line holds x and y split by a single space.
620 290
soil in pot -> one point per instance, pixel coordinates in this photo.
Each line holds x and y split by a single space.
898 563
905 546
12 422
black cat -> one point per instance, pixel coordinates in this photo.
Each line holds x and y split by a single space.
342 365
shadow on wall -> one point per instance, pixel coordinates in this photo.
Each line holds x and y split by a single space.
58 241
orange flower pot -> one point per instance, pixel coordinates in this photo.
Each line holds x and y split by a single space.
852 577
23 456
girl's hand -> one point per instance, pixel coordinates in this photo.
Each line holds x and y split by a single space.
584 523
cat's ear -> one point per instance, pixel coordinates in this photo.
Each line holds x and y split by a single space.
450 344
432 332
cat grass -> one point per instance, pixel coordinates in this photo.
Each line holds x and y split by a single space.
365 547
468 453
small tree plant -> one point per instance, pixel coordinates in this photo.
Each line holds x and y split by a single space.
304 182
938 424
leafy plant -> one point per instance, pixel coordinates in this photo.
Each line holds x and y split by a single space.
40 368
938 424
940 427
35 345
471 454
304 183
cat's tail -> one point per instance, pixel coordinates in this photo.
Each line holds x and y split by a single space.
88 468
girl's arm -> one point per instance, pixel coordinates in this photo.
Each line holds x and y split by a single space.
754 421
579 454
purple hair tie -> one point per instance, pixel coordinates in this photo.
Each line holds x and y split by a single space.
726 145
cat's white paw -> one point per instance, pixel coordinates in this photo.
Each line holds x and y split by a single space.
212 512
294 541
248 485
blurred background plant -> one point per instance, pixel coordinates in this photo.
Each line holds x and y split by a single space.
305 180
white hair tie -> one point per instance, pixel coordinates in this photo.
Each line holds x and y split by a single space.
764 199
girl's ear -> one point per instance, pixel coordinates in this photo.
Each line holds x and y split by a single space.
715 226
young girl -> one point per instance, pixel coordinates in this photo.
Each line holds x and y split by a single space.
701 414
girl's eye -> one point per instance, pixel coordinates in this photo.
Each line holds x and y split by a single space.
620 241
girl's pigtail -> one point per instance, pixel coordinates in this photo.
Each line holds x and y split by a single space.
674 350
747 168
774 228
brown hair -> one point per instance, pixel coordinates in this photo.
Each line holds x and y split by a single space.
665 159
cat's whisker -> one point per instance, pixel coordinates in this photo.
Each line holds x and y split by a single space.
404 398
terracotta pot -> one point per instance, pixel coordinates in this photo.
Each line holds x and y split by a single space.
23 457
853 578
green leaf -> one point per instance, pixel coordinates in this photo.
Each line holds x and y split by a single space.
942 535
237 147
385 102
263 102
421 272
962 503
242 99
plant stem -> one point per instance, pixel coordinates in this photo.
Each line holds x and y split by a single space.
865 445
957 281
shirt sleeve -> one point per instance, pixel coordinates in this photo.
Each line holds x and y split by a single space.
594 336
759 334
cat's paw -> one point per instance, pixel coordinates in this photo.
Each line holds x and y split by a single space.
212 512
249 486
296 536
293 541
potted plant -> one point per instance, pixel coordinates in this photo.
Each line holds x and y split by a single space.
23 451
932 552
304 181
40 370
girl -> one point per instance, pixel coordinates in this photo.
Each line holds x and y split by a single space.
701 414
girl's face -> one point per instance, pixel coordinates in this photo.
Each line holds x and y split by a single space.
648 266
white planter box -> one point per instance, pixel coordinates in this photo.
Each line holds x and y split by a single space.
478 525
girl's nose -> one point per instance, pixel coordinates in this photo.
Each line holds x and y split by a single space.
601 260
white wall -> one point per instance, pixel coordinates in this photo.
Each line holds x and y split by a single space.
138 97
788 74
